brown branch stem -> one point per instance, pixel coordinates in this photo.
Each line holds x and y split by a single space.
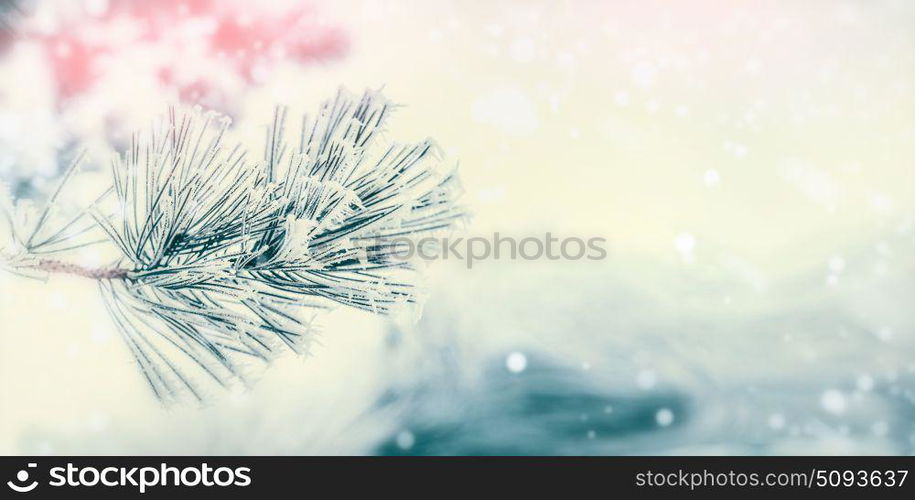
95 273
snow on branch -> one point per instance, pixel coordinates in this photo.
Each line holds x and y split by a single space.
222 253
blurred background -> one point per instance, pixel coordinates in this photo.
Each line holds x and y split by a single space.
751 165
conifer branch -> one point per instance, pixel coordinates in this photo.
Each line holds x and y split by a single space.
222 255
